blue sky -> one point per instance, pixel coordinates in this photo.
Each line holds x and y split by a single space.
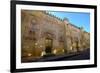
79 19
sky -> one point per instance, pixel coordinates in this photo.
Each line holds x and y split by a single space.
79 19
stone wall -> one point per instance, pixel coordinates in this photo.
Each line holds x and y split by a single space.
37 26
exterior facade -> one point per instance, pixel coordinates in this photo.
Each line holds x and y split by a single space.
43 33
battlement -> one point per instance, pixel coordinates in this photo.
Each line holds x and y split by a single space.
51 15
62 20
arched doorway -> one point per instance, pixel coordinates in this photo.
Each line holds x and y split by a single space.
48 45
49 36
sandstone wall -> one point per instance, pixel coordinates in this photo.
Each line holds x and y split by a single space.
36 26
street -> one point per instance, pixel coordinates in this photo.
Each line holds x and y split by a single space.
73 56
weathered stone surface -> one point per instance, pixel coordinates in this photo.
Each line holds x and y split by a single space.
38 26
